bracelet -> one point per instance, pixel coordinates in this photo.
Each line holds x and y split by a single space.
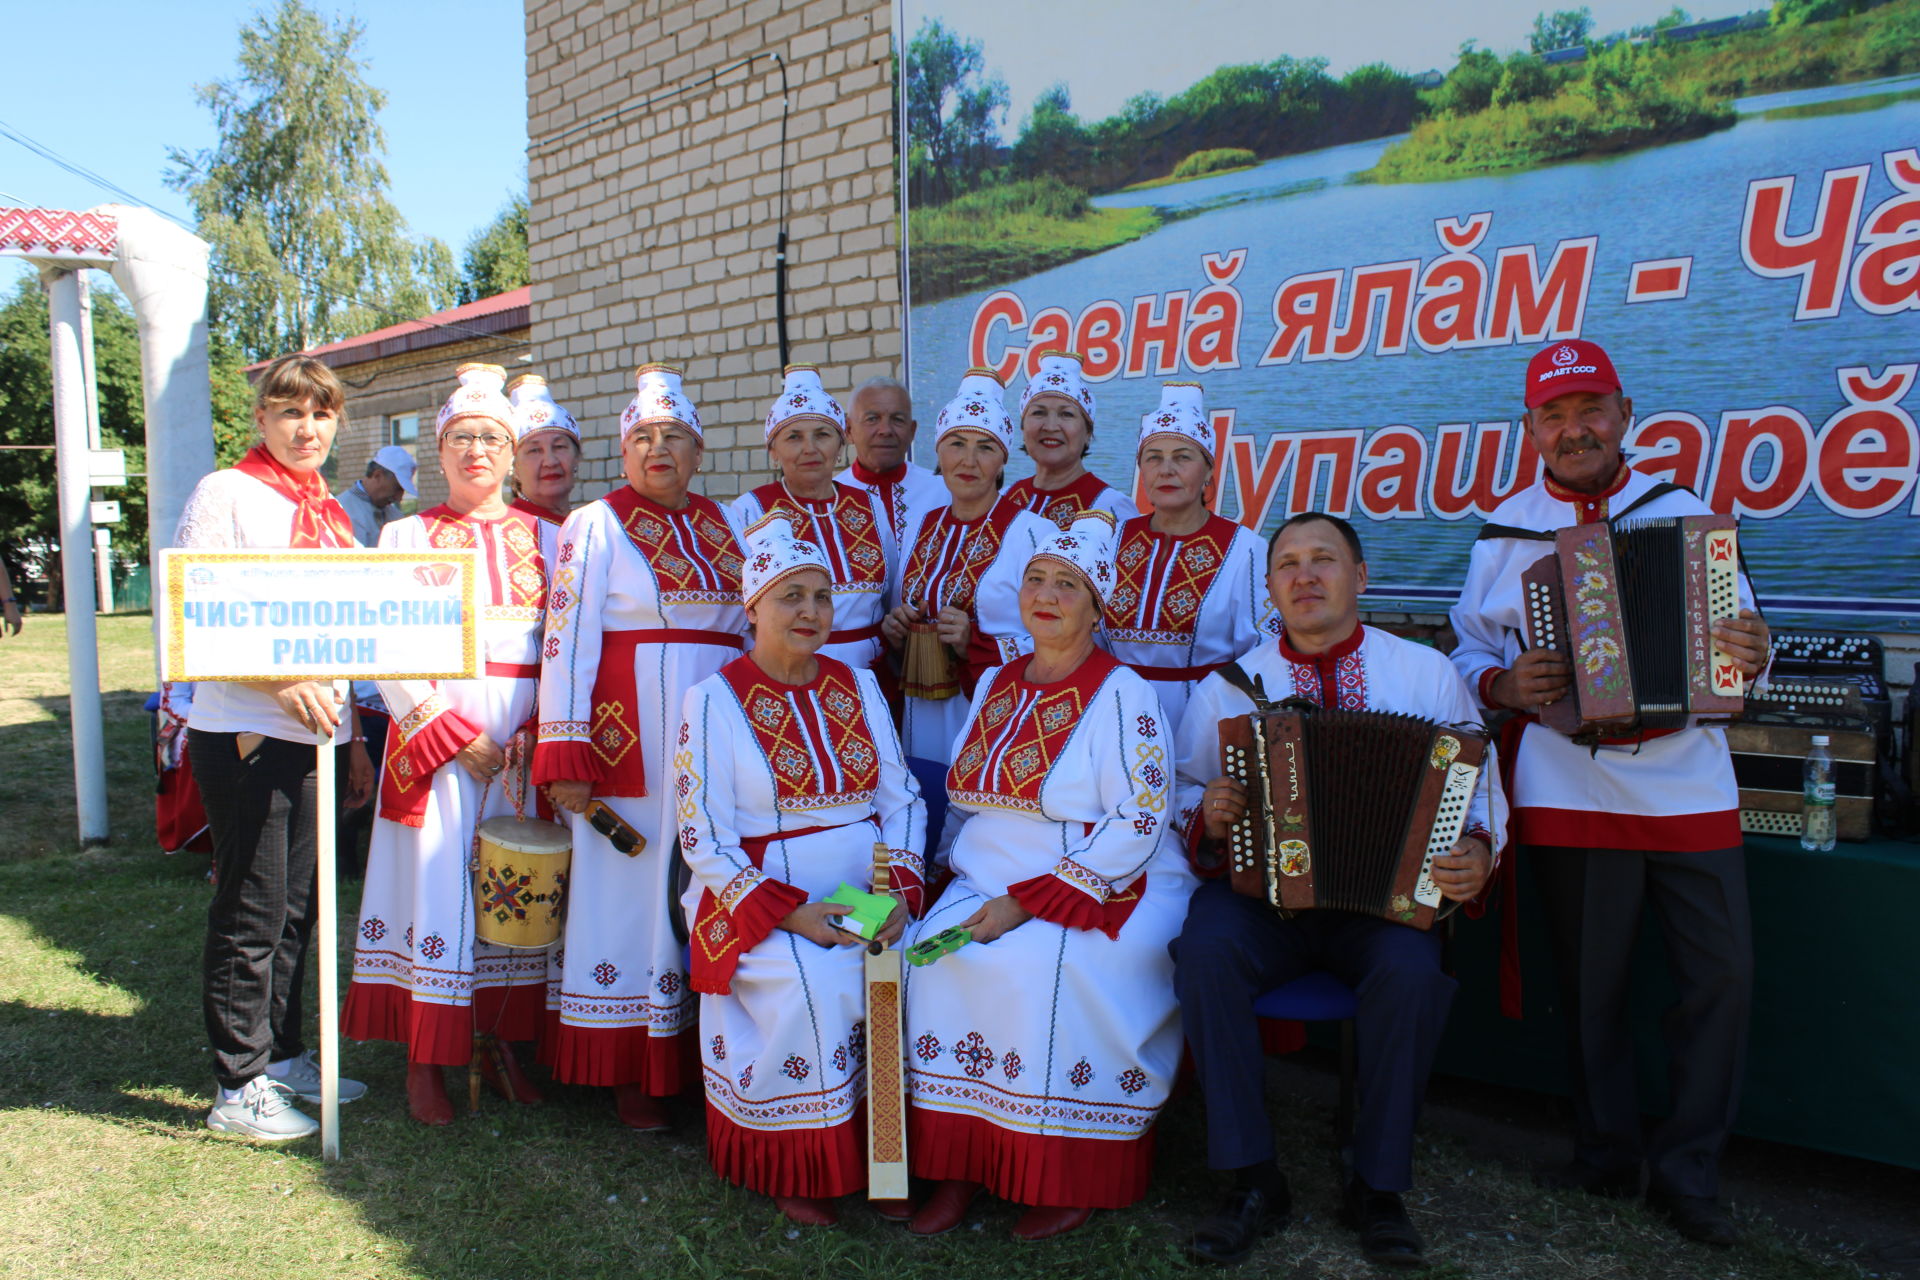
9 600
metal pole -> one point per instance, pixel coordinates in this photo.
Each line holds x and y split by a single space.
326 925
103 566
74 464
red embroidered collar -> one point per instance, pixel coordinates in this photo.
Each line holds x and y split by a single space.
1326 657
864 476
1557 490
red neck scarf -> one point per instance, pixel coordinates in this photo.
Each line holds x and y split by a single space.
318 521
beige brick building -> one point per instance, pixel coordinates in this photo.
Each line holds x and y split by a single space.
655 176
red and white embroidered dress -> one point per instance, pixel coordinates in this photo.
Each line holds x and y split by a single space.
1372 670
851 529
782 793
1185 605
973 565
1665 790
1071 501
1038 1062
906 493
644 604
420 977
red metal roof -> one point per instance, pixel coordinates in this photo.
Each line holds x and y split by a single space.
502 313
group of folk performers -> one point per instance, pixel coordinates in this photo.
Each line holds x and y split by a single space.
1014 693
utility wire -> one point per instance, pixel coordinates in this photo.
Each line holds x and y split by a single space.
82 172
554 139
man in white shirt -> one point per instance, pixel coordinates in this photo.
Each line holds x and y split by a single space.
373 501
880 426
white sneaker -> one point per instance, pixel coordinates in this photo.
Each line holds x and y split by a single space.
303 1080
262 1111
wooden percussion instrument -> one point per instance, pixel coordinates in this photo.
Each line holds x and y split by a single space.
520 882
928 669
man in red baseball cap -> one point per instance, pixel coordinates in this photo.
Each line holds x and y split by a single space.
1608 828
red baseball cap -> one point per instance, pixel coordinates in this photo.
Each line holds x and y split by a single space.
1573 365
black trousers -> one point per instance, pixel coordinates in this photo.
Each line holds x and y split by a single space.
261 812
1594 900
1233 948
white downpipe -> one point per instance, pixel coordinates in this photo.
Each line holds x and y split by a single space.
163 271
74 465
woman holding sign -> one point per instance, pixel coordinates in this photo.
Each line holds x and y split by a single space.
252 748
1040 1051
420 977
789 772
645 604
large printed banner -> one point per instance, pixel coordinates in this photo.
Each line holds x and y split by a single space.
1358 282
319 615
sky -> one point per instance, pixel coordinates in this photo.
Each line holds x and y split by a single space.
1105 60
454 75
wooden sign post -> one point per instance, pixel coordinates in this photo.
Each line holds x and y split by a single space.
281 616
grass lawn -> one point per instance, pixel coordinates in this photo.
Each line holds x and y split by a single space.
107 1171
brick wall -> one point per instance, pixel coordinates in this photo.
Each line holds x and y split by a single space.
652 233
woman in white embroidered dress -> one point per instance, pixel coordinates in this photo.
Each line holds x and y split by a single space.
789 773
1041 1052
546 450
806 428
961 574
420 977
644 604
1056 428
1190 587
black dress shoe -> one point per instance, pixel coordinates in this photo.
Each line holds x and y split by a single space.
1578 1175
1250 1212
1696 1217
1387 1237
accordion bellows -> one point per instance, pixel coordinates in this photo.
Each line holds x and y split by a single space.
1348 809
1631 610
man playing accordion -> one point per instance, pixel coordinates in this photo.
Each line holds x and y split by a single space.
1235 947
1608 826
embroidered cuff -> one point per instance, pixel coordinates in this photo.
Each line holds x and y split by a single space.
1485 684
1052 899
436 739
758 903
565 760
1206 856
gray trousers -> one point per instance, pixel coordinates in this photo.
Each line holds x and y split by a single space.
1594 900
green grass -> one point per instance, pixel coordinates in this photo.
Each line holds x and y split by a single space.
107 1173
1007 232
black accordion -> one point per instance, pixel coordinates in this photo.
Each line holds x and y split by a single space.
1346 810
1631 610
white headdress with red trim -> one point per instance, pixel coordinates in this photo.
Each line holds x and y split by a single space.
535 409
658 398
803 395
482 393
774 552
1182 412
1059 374
1087 545
979 405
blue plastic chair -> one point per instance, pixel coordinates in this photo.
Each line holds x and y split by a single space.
1321 997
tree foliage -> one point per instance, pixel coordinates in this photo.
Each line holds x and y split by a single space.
1798 13
496 257
29 496
1268 108
954 109
307 248
1561 30
1470 86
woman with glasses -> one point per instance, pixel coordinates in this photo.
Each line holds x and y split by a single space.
420 977
645 605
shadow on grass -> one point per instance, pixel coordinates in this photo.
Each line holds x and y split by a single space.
108 943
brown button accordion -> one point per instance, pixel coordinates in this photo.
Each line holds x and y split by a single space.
1346 810
1631 609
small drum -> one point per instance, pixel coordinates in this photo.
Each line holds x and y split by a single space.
928 670
520 883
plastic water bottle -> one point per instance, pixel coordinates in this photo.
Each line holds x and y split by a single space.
1816 835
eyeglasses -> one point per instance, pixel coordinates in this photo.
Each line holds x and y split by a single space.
491 441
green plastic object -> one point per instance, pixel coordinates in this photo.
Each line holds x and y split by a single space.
940 944
869 914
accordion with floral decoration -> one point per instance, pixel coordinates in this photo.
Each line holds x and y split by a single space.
1346 810
1631 609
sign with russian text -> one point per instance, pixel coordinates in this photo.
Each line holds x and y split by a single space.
1353 225
319 615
